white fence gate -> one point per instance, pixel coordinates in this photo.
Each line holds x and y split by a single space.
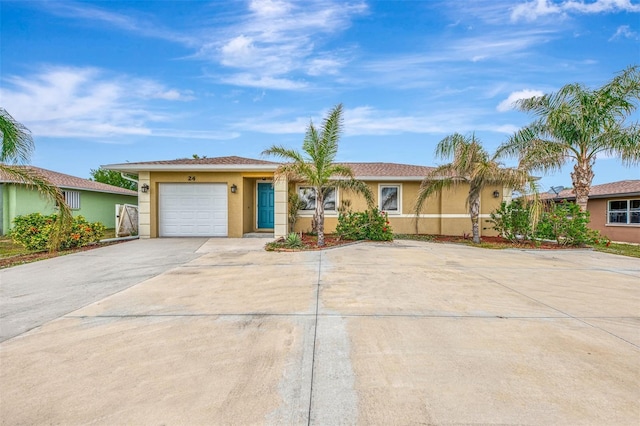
126 220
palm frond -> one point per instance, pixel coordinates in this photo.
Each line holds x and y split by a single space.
17 143
358 187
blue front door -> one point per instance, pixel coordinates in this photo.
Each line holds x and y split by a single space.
265 205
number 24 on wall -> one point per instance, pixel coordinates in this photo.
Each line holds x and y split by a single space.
191 178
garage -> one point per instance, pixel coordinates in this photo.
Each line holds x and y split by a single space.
192 210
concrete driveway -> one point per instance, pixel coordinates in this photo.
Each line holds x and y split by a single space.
400 333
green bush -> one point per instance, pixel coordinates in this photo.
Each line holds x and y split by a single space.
563 223
368 225
33 231
566 224
513 221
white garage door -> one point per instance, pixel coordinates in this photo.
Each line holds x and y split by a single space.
192 210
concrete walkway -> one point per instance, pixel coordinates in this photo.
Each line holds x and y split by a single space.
393 333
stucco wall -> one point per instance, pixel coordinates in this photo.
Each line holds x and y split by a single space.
616 232
445 213
241 205
19 200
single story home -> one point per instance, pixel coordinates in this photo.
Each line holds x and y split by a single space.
94 200
233 196
614 209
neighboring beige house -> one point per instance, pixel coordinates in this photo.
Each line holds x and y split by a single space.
233 196
614 209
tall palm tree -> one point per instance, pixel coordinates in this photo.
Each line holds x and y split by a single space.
576 124
315 165
471 165
17 147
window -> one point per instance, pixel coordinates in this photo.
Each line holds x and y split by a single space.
307 195
390 198
624 211
72 198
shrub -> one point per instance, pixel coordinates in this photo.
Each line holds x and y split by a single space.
34 231
513 221
563 223
566 224
368 225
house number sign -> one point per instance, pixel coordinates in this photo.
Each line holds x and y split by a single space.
191 178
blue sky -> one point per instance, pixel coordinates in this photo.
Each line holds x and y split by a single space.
110 81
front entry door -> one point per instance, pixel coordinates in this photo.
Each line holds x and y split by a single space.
265 205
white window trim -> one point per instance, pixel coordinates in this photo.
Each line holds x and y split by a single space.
628 211
72 198
387 185
304 213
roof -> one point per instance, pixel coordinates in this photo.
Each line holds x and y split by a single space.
619 189
198 164
363 171
70 182
388 171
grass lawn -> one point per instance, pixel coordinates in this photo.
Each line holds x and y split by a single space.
621 249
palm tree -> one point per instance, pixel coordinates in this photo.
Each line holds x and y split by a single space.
471 165
576 124
17 146
315 165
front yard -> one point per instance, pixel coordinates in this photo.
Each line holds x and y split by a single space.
12 254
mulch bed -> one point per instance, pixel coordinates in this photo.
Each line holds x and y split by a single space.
311 242
20 259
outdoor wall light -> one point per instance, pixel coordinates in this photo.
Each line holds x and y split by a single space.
234 188
144 188
496 194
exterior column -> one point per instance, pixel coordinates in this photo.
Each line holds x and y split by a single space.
281 219
144 206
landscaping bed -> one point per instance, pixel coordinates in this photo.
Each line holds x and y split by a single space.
310 242
12 254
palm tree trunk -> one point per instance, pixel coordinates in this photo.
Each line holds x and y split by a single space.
474 212
582 176
320 216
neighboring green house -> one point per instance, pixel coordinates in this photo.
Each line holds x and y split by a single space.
94 200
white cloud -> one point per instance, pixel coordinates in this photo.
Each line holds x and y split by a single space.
507 104
277 38
324 66
85 102
263 82
366 120
534 9
86 12
624 31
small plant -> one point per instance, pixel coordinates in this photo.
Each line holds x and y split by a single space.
293 241
34 231
294 205
371 224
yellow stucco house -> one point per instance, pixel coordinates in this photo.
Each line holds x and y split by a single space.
234 196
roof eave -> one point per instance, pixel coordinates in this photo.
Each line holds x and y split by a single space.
390 178
191 167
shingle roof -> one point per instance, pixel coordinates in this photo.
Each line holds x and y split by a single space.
231 160
364 170
361 170
62 180
623 187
